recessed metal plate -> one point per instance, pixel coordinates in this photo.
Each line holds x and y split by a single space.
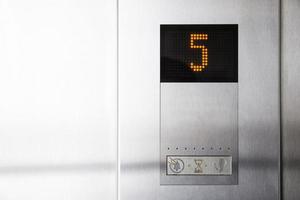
199 123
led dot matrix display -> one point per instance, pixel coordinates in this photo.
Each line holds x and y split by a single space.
204 53
199 53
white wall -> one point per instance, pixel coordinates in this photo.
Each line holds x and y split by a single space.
58 97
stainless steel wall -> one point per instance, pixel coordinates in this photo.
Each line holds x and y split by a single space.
58 99
291 99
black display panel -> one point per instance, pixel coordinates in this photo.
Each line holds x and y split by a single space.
199 53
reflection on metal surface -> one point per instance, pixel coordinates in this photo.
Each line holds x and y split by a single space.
245 164
58 168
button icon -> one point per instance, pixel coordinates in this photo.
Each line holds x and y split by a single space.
198 168
176 165
220 166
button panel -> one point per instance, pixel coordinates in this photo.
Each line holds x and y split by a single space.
199 165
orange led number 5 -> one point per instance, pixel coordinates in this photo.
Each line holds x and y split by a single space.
194 37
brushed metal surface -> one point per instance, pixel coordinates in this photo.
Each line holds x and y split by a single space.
198 119
139 23
58 104
291 99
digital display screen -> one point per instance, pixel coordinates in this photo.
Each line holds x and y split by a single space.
199 53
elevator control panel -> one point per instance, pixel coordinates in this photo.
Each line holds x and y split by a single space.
199 165
199 104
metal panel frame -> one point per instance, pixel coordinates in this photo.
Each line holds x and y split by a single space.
290 55
259 124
